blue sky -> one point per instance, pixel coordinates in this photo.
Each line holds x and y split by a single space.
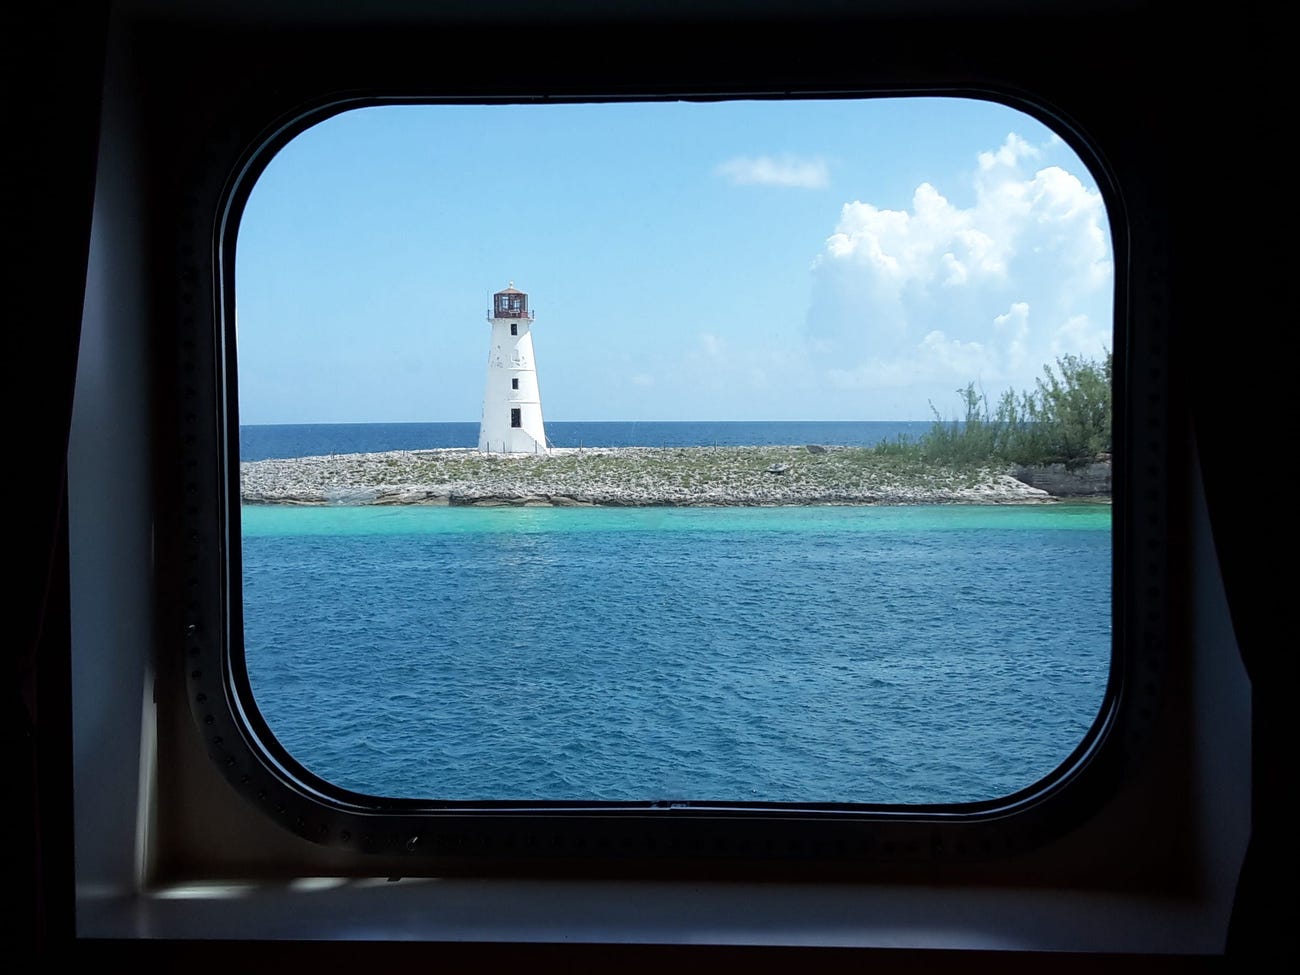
836 260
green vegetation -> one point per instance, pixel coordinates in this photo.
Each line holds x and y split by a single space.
1065 419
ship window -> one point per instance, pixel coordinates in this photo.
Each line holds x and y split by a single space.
864 630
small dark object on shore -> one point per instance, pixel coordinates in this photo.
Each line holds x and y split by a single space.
815 448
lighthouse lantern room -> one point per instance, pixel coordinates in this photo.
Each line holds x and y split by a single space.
512 400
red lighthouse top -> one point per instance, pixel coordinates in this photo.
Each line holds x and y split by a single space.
510 303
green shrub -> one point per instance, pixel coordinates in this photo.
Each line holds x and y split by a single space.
1065 419
1074 410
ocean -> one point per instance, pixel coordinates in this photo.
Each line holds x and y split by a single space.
923 654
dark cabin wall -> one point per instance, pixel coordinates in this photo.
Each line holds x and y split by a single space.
111 592
110 503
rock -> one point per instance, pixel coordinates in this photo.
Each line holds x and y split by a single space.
1087 481
352 495
643 476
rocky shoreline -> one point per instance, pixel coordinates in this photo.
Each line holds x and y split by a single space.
637 476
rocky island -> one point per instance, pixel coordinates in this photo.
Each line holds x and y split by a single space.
638 476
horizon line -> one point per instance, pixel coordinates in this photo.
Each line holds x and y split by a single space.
341 423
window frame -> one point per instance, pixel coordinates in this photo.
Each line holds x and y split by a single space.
433 836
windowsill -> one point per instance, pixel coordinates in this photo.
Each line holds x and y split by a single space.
476 910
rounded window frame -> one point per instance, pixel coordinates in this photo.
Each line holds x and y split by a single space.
782 838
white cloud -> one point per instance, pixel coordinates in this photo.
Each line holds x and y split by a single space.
1079 336
939 243
936 358
1073 218
954 357
943 363
936 241
939 293
957 273
768 171
1014 327
1009 154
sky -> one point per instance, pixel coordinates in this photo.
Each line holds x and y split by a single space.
748 260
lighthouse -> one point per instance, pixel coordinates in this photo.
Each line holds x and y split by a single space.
512 401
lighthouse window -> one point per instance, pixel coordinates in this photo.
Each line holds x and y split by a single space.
514 329
515 416
514 384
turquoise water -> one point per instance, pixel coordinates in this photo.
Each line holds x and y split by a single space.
852 654
283 520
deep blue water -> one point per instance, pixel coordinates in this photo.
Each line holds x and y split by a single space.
867 654
316 439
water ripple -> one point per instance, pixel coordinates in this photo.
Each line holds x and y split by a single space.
807 655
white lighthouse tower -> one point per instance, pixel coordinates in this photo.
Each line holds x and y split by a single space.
512 402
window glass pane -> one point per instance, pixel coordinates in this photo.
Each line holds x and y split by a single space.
807 499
